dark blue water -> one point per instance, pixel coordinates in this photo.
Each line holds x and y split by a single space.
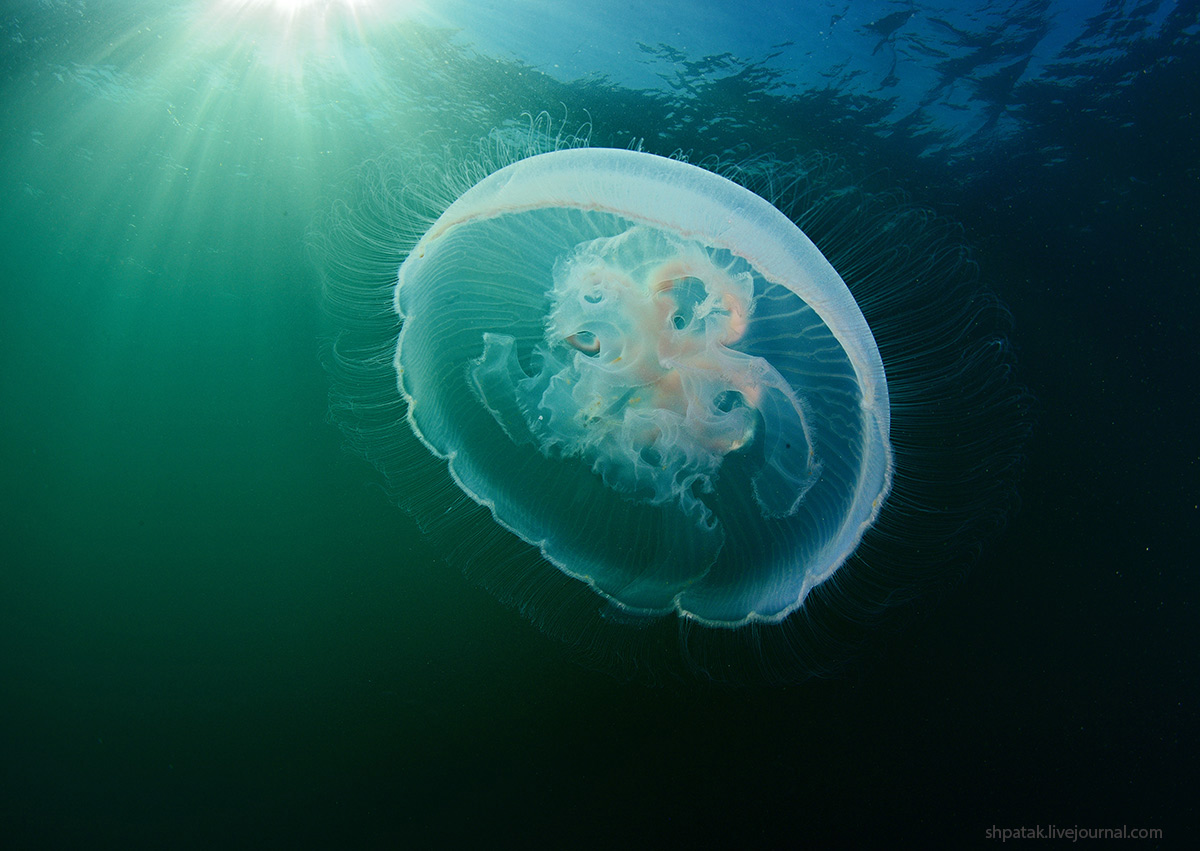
217 631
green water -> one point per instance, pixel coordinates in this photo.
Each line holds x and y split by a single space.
204 594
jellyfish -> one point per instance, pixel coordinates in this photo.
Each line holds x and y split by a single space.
660 403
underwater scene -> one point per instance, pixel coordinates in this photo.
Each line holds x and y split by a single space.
482 422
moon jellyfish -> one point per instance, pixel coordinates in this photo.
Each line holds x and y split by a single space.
663 407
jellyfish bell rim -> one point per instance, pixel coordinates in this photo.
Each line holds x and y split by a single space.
693 203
